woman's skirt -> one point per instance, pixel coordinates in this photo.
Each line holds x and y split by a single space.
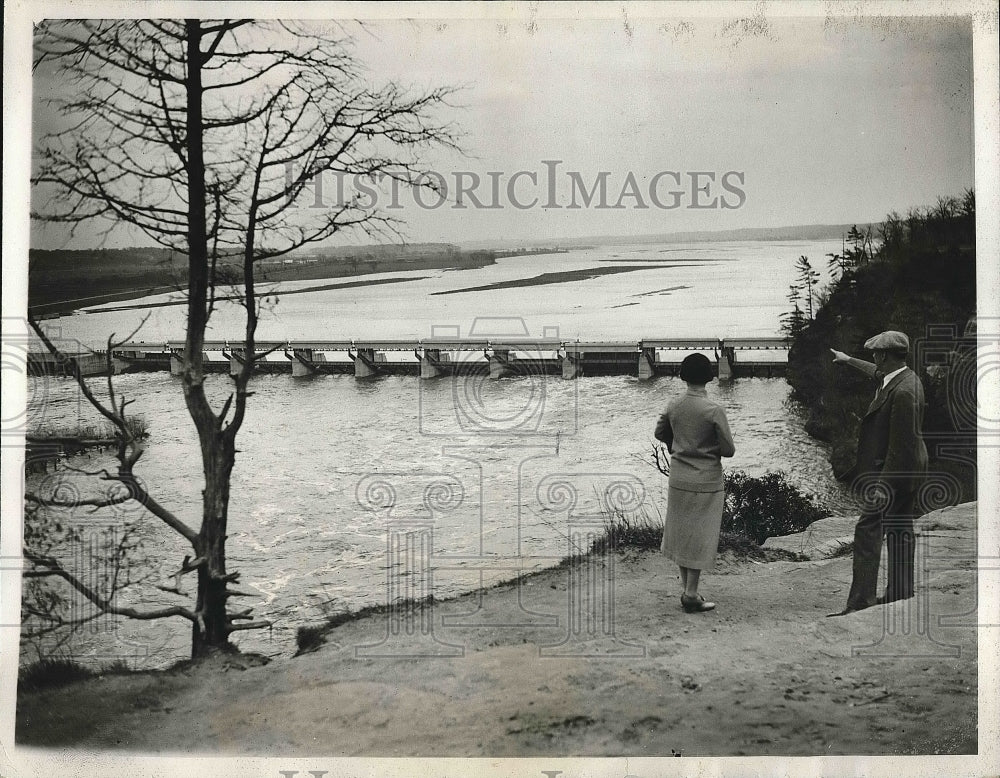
691 530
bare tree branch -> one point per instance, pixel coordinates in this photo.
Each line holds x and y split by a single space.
249 625
52 566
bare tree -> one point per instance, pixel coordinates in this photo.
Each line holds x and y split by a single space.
207 137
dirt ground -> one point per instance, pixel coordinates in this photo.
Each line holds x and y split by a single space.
520 671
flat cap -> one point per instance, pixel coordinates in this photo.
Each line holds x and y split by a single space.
890 340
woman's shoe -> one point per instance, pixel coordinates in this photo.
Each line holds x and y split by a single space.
696 604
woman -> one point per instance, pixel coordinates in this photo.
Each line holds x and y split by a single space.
697 436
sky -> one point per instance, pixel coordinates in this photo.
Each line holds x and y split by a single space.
762 120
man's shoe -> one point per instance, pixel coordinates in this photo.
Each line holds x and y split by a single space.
886 600
848 609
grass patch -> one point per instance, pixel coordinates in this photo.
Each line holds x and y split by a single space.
843 549
309 639
627 530
51 673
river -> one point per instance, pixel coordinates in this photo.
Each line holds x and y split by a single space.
329 465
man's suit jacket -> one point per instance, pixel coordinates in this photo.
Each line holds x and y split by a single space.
890 446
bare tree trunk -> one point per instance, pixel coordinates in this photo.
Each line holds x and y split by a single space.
213 632
197 226
218 453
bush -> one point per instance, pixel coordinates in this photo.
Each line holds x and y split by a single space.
756 509
767 506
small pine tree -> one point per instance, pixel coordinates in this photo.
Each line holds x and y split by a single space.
808 279
793 322
838 267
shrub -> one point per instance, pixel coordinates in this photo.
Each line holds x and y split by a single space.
756 509
766 506
118 667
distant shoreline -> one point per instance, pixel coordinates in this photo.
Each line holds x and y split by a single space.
790 233
282 293
56 279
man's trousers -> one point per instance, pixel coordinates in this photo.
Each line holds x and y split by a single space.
895 522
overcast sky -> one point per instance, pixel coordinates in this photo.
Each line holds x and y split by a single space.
816 120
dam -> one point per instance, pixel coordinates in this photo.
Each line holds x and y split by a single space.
434 357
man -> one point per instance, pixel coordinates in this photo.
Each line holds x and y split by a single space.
891 463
